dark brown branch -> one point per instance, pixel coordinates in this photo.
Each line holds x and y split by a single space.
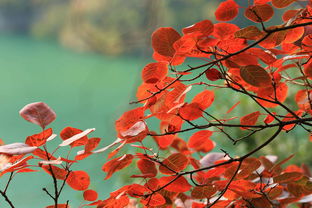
7 199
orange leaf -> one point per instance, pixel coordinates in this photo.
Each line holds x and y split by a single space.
68 132
174 163
200 141
179 185
39 139
294 34
38 113
163 40
154 72
116 164
204 99
282 3
90 195
78 180
259 13
255 76
227 10
250 119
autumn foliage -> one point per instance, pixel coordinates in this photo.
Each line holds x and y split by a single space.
270 65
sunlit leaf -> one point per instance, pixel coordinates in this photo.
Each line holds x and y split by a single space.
227 10
163 40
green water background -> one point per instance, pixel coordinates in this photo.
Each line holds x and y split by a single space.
85 91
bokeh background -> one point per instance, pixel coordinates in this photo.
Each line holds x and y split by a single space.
83 58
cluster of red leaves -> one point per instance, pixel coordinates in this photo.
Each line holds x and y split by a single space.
258 62
23 157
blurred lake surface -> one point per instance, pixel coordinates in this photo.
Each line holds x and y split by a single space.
86 90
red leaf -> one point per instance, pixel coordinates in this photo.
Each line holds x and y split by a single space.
205 27
224 31
128 119
294 34
92 144
261 1
200 141
90 195
39 139
259 13
59 173
191 111
269 94
164 141
269 118
179 185
38 113
26 170
117 164
213 74
163 40
202 192
69 132
255 76
174 163
250 119
78 180
290 117
147 167
43 155
282 3
250 33
204 99
155 200
303 99
227 10
154 72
